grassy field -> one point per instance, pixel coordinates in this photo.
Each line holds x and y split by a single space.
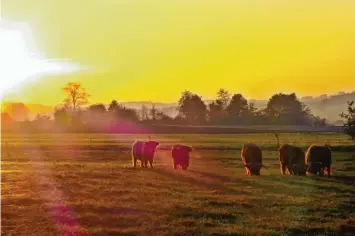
82 185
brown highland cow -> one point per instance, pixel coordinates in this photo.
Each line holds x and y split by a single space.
292 158
144 151
252 158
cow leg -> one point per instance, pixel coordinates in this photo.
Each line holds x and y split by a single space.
142 163
328 170
134 162
247 171
290 169
321 172
283 168
151 164
146 163
174 164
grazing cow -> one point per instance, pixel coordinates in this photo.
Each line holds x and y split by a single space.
144 151
180 154
252 158
318 157
292 158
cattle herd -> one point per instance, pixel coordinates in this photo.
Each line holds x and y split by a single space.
316 160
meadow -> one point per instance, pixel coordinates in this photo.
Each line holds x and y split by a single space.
83 184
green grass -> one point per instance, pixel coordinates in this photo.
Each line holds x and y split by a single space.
64 183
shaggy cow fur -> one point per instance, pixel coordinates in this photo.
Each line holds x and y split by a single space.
292 158
144 151
318 158
252 158
180 155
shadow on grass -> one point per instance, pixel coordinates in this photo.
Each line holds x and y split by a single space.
308 231
347 180
187 212
211 175
179 176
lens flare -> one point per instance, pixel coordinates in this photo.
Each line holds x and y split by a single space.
21 62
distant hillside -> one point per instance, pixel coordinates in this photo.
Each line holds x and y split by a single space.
327 106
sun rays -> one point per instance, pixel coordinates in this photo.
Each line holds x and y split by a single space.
20 60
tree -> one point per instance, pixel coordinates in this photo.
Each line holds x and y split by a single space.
237 107
97 108
144 114
192 108
349 120
18 111
96 117
287 109
76 96
119 112
153 112
223 96
215 111
163 117
113 106
61 116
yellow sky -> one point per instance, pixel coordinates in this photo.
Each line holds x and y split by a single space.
153 50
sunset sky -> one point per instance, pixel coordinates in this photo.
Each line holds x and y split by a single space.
135 50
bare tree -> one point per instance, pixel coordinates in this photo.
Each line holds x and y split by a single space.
153 112
349 120
76 96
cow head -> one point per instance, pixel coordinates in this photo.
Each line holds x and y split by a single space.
151 146
254 168
313 168
300 169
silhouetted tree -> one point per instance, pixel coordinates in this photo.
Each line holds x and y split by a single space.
349 120
17 111
41 122
287 109
163 117
144 113
112 106
76 96
215 111
238 107
62 117
223 98
192 108
153 112
96 117
318 121
98 108
119 112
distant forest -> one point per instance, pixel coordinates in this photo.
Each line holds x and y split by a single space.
76 114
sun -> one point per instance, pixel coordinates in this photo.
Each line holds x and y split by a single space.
21 62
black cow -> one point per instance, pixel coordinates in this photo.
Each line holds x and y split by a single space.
319 158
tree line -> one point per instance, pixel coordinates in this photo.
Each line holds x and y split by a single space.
226 109
75 112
